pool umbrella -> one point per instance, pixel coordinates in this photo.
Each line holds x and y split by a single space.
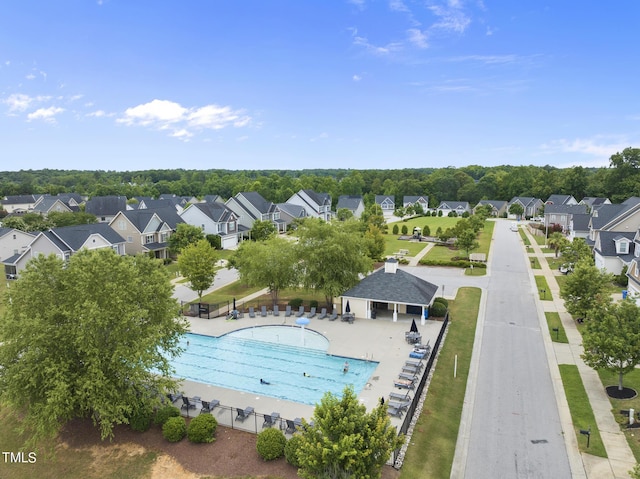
234 304
348 308
302 322
414 327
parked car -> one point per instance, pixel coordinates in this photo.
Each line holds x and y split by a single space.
566 268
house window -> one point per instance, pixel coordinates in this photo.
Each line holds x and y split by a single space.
623 247
164 237
148 239
129 239
122 225
232 225
202 227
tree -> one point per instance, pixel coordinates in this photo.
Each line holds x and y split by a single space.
93 336
557 241
59 219
262 230
272 263
374 241
184 235
28 222
576 250
400 212
197 263
333 256
345 440
466 241
584 289
344 214
373 215
611 339
516 209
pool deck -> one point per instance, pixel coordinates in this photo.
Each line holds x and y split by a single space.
379 340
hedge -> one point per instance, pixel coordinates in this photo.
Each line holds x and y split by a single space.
164 413
270 444
202 428
174 429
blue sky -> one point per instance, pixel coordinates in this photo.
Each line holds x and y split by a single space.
237 84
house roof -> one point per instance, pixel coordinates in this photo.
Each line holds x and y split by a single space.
564 209
380 198
213 199
581 221
320 198
140 218
607 240
74 237
605 214
295 211
105 205
218 212
398 287
413 199
18 199
454 204
258 201
161 203
5 231
350 202
497 204
558 199
46 203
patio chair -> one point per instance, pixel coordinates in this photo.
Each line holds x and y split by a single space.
263 311
399 397
411 369
276 310
173 397
270 419
393 411
291 427
287 311
312 313
323 313
403 384
401 405
244 413
334 315
189 403
252 313
417 364
208 406
410 376
300 312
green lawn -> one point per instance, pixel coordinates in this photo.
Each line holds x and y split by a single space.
227 293
430 453
535 264
394 245
543 288
433 222
553 321
581 412
445 253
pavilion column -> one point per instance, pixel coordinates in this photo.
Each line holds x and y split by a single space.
395 312
422 318
368 309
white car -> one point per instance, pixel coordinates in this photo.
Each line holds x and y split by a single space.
514 226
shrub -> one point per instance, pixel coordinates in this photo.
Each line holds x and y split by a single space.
427 213
291 450
442 300
202 428
174 429
313 303
295 303
403 261
140 419
404 229
439 212
270 444
426 231
438 310
395 229
164 413
466 214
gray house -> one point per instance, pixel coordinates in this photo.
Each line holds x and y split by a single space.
105 208
560 214
214 218
353 203
531 206
498 207
316 205
250 206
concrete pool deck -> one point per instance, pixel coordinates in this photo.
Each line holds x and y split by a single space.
379 340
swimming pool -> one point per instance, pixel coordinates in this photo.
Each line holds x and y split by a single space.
240 359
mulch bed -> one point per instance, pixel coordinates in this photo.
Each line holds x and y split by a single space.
624 393
233 454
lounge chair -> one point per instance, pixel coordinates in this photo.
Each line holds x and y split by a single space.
393 411
276 310
270 419
401 405
300 312
409 376
403 384
291 427
287 311
208 406
252 313
399 397
189 403
334 315
323 313
410 368
244 413
417 364
312 313
173 397
263 311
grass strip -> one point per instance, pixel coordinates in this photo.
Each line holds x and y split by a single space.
525 238
432 446
543 288
553 321
581 412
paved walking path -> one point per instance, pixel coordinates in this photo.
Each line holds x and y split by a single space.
621 459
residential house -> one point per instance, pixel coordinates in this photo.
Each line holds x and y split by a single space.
353 203
147 230
457 207
561 200
316 205
579 226
13 242
593 203
633 273
64 242
46 204
531 206
290 212
387 203
176 203
18 204
423 201
250 206
498 207
213 199
560 214
623 218
613 250
105 208
216 219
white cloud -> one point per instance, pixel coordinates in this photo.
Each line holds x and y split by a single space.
376 50
99 114
418 38
182 121
30 76
356 78
321 136
488 59
46 114
398 6
357 3
18 102
451 17
600 146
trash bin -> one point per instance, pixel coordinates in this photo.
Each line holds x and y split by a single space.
373 314
624 294
426 313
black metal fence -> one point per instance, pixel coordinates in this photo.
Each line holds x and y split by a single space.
421 385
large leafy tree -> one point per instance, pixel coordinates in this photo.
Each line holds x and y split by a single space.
373 215
374 240
184 235
197 263
585 289
576 250
71 219
516 209
262 230
466 241
333 256
90 337
272 263
611 339
345 440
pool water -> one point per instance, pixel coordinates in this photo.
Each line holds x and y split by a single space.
240 359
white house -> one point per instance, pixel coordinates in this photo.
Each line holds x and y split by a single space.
316 205
214 218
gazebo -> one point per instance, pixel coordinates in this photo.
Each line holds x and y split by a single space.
390 289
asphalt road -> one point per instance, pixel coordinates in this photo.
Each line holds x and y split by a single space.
515 431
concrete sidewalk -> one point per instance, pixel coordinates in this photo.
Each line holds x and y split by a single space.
620 458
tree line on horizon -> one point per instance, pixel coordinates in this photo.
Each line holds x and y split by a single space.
470 183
